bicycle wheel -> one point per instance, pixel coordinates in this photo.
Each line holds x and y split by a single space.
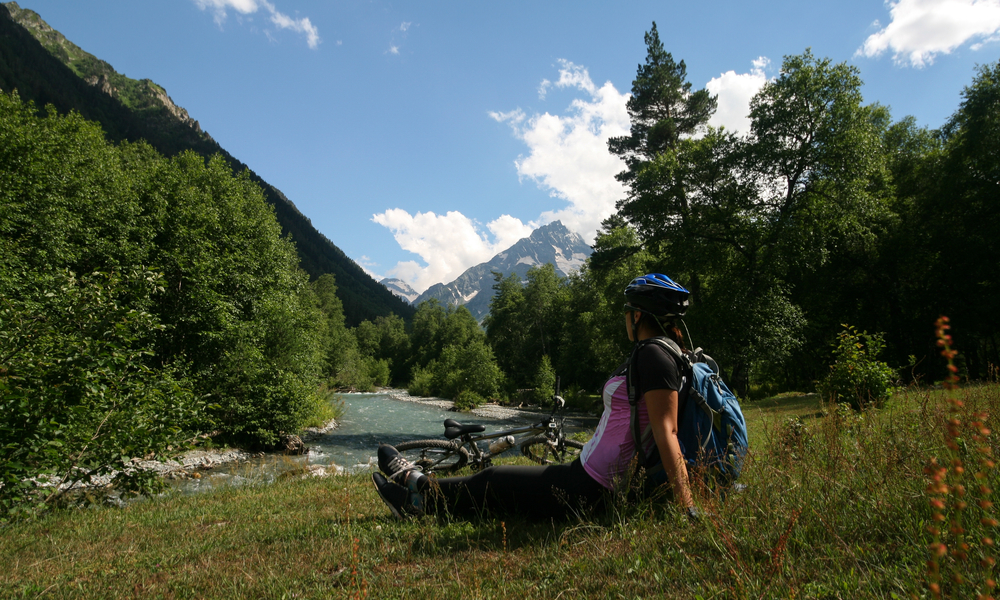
543 451
434 456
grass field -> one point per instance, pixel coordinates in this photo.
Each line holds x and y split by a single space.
836 507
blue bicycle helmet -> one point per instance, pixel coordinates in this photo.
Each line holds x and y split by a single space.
658 295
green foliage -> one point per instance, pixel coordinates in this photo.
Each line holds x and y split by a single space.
741 220
422 382
663 109
81 390
49 69
451 354
856 376
458 369
235 318
544 382
527 322
385 339
467 400
329 406
347 363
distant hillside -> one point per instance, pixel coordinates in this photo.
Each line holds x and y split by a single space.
551 244
45 67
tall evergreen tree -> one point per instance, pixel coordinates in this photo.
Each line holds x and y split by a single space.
662 109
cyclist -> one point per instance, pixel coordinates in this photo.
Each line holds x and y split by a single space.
652 304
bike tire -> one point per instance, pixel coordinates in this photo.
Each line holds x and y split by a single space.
434 456
542 450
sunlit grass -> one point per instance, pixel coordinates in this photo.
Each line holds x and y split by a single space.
835 508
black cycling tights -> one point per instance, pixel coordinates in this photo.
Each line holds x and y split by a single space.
555 491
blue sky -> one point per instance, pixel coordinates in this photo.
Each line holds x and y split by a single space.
423 137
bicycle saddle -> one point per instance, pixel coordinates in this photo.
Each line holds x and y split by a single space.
454 429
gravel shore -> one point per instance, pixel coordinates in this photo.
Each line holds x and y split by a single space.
490 411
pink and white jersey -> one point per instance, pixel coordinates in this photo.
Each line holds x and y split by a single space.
607 455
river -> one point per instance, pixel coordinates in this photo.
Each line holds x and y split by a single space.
368 419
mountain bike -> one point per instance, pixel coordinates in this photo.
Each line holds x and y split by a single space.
544 442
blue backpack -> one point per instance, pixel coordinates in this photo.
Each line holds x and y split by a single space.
711 429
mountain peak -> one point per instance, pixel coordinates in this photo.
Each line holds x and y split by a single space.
400 288
551 244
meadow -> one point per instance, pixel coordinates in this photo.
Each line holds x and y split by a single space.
838 504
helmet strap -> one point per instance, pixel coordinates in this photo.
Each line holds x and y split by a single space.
687 333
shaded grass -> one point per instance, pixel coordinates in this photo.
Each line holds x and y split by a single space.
833 509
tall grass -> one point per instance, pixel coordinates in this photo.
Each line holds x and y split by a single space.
836 506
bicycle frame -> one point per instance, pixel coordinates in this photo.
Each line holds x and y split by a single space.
543 442
471 440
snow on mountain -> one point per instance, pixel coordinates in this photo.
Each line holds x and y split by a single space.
553 244
401 289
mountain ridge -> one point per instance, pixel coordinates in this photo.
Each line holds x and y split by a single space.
45 67
552 243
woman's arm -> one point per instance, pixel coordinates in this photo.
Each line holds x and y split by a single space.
662 408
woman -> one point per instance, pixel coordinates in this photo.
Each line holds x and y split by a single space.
651 303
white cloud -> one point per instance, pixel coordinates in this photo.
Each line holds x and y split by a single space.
735 90
398 37
303 25
568 155
543 88
514 116
448 244
366 264
279 19
921 29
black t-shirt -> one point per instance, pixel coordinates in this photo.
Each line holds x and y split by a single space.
657 369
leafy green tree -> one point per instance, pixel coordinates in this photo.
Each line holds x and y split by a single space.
451 354
234 284
507 330
544 381
964 221
740 220
338 343
663 110
385 339
425 332
81 393
526 322
237 321
541 300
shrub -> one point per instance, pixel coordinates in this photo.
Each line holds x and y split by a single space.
233 317
81 392
856 377
545 382
467 400
421 384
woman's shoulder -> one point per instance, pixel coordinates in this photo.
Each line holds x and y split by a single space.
656 355
660 346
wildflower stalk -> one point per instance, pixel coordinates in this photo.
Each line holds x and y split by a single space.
949 497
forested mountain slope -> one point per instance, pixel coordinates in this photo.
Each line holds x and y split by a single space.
45 67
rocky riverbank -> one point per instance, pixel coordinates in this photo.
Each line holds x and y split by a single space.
490 411
192 463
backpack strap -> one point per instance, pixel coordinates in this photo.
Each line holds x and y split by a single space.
632 383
